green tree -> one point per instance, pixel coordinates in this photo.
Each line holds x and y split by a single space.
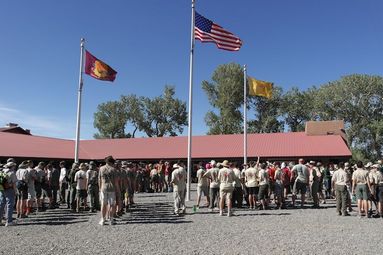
110 120
225 94
267 113
357 99
297 107
163 115
134 109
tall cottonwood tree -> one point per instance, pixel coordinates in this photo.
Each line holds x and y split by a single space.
225 94
156 117
110 120
358 100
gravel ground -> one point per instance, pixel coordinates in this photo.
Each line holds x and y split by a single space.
151 228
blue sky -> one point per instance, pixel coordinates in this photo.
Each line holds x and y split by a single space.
291 43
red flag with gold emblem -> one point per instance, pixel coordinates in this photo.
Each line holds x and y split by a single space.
98 69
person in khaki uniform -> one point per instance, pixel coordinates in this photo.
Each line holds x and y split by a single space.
212 174
361 187
107 182
226 178
339 181
179 188
379 191
314 179
251 182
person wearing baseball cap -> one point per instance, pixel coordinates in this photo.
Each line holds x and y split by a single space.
9 192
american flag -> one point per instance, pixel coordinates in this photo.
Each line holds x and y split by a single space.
206 30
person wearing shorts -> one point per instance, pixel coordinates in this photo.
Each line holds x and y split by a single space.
263 177
301 173
360 187
251 182
107 182
22 189
226 178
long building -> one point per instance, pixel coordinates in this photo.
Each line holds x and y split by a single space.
325 141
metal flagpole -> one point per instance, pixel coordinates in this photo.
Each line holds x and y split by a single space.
80 84
244 115
190 166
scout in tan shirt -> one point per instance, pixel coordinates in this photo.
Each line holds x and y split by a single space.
226 177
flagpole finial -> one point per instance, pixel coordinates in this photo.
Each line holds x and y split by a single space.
82 41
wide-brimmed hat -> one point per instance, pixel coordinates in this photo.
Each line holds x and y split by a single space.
212 163
11 160
176 166
346 164
369 164
312 162
10 164
225 163
375 166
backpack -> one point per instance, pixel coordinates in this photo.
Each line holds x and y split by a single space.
4 181
21 185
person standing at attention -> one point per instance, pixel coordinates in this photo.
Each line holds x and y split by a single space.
226 178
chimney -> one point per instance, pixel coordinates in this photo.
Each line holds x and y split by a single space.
10 124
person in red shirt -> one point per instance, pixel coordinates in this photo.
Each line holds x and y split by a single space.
168 176
271 172
286 176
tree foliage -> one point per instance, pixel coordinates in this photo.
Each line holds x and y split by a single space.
110 120
225 93
267 113
156 117
357 99
297 107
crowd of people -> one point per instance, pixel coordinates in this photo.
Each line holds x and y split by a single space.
110 187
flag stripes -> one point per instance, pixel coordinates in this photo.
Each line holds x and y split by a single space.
206 30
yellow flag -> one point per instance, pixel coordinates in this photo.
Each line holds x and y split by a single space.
260 88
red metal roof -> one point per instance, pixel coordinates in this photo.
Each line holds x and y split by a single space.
29 146
273 145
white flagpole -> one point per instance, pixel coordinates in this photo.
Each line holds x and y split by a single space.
190 166
244 115
80 84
